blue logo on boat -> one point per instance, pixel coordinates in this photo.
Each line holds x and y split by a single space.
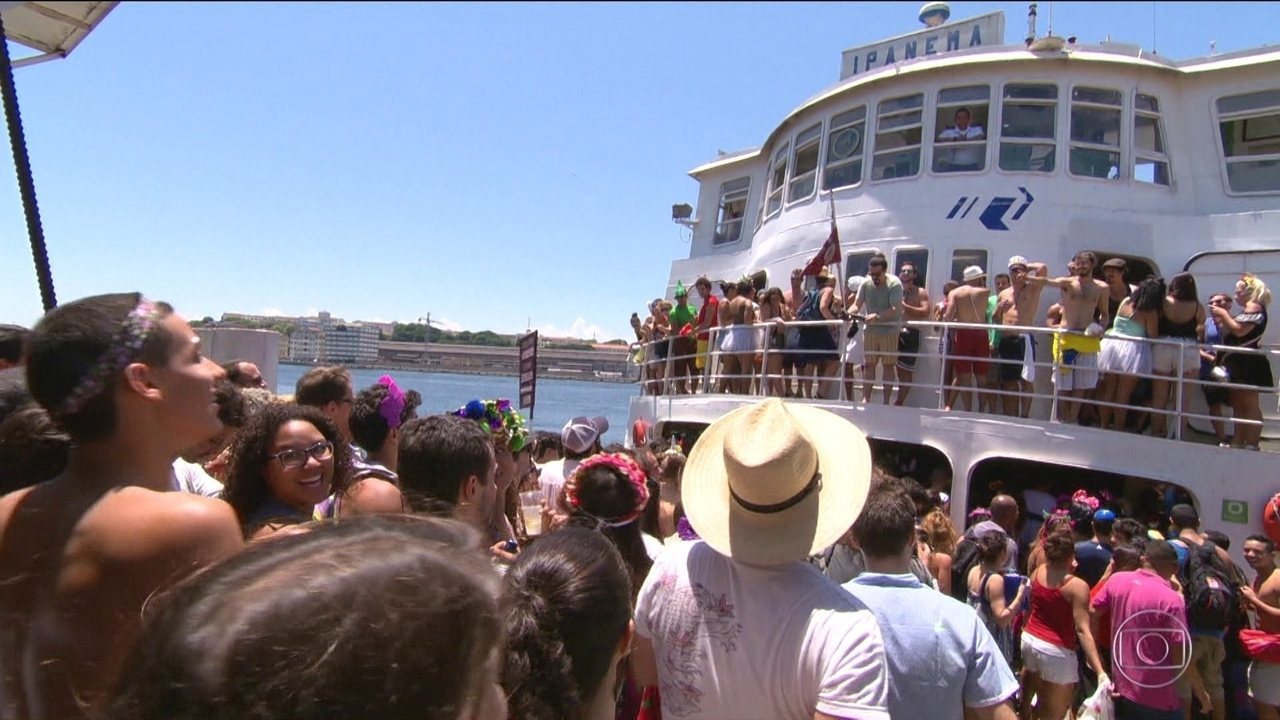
992 216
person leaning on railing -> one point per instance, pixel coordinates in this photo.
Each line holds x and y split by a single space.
1245 330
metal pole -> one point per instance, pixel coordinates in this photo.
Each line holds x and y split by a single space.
26 186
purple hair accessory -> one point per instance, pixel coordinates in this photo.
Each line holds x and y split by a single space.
392 406
133 334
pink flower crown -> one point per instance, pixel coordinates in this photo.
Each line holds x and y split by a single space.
618 463
1084 498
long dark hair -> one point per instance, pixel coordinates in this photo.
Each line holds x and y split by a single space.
1149 295
246 485
570 603
1183 287
393 618
603 494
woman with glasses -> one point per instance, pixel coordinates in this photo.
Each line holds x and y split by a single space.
285 461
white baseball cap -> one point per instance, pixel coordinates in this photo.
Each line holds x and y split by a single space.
581 433
1017 260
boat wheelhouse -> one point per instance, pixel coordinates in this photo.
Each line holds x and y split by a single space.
1170 165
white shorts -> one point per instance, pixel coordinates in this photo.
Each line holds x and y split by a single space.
1052 663
1081 374
1164 358
1264 683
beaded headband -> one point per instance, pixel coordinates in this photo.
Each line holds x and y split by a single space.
134 331
618 463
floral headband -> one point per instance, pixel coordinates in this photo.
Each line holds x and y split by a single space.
500 419
620 464
392 406
1084 498
133 333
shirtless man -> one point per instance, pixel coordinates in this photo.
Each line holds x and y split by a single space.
737 338
970 351
915 306
1016 306
1076 350
81 554
1264 599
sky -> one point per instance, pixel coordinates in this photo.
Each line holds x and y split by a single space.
499 166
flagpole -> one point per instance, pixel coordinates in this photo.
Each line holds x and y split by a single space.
844 291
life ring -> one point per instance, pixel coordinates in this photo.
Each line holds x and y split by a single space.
639 433
1271 518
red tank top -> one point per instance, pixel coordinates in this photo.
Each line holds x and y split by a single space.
1052 619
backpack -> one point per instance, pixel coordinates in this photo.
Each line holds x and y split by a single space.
810 307
962 561
1211 595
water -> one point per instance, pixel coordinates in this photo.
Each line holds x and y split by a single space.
557 401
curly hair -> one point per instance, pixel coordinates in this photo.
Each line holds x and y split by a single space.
570 602
992 545
1149 294
246 485
942 534
368 428
1059 548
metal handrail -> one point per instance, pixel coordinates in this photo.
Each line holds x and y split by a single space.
713 379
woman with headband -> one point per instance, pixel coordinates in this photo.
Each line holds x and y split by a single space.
514 456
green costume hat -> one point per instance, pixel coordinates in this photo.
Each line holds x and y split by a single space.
680 289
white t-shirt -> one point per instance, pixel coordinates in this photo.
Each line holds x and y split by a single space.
745 642
191 478
552 478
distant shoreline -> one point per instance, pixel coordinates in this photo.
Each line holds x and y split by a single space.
487 373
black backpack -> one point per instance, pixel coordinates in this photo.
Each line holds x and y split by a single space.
963 560
1210 593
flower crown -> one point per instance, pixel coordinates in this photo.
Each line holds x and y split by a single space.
620 464
132 335
500 419
1084 498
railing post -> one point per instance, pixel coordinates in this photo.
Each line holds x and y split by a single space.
1053 379
840 353
942 367
1177 401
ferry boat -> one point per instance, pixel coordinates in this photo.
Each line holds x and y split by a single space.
1171 165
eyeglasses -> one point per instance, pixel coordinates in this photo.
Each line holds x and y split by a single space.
294 458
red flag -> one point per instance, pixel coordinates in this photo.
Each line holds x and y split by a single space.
828 255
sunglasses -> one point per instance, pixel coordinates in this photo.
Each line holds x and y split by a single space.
293 459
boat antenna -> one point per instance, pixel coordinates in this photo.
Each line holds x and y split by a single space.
1153 28
1051 17
1031 23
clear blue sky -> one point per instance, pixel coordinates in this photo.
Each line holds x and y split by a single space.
496 165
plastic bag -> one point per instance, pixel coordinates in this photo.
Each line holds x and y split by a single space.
1099 705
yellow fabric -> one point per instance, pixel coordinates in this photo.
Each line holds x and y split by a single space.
1063 342
701 360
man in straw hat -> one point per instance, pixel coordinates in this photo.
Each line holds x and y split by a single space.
766 486
970 351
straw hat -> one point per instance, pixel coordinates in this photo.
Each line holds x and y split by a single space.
973 272
773 483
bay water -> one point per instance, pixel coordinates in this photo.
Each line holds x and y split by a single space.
557 400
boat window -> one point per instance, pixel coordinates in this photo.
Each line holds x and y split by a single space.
1095 133
844 149
899 126
962 114
1029 128
919 257
804 169
855 264
963 258
1250 129
733 207
1150 158
777 179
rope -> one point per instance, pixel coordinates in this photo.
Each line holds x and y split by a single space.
26 185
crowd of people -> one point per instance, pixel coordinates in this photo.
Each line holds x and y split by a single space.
1108 372
176 541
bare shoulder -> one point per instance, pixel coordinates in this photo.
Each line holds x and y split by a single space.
134 521
372 496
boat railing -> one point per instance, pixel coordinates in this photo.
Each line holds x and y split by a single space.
781 368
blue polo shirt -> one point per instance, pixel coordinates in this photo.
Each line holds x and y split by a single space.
941 658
